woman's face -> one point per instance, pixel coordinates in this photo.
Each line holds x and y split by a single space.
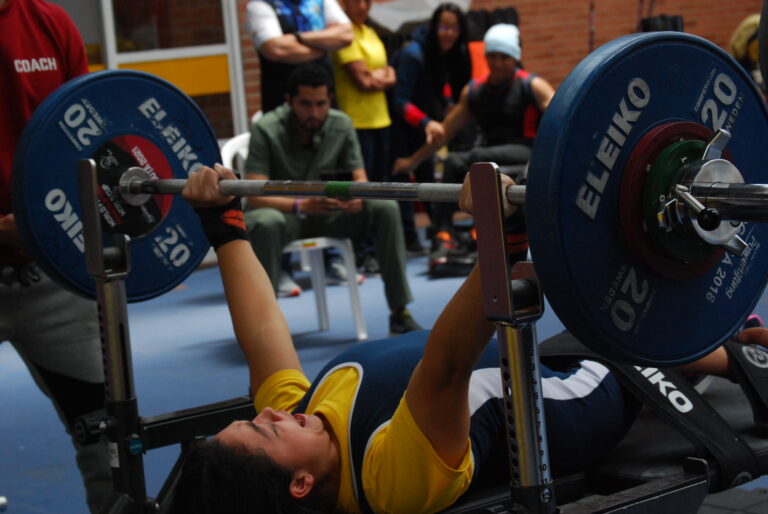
448 30
293 441
357 10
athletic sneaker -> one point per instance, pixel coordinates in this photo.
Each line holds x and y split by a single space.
441 247
402 322
336 273
371 265
286 287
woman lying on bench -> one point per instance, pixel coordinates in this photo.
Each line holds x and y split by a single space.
401 425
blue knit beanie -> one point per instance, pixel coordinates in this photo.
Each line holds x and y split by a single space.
503 38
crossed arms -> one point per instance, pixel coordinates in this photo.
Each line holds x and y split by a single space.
264 29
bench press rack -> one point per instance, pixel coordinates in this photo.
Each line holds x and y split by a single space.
130 435
513 300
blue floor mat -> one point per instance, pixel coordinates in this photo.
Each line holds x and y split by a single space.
185 355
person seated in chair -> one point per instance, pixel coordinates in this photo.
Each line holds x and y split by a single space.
506 104
401 425
304 139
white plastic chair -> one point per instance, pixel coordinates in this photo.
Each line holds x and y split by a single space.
235 150
311 252
312 249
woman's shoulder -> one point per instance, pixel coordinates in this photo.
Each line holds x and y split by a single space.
414 50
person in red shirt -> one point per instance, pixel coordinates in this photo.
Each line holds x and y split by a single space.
55 332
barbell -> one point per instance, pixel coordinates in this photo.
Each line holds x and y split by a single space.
733 201
643 190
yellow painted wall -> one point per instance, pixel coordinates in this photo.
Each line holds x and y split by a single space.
195 75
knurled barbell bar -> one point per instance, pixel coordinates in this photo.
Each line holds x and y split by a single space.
734 201
630 191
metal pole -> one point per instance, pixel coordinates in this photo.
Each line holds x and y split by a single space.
526 427
511 307
108 267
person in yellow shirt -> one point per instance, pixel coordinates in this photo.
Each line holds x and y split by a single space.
361 75
402 425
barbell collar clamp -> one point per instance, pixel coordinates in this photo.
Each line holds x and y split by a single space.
716 145
706 221
683 194
733 202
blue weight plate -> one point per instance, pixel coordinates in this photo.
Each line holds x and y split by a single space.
604 294
119 119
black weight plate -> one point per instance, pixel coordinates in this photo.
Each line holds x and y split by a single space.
119 119
611 300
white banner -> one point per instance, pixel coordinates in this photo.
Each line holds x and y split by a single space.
392 15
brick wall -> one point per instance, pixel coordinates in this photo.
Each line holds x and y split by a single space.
191 22
146 24
218 109
555 34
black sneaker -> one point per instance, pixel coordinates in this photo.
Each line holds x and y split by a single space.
442 246
371 265
402 322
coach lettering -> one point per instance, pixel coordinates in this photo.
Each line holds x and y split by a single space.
33 65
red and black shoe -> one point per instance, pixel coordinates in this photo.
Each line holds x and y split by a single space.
442 245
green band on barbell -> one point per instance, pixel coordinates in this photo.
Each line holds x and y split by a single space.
338 189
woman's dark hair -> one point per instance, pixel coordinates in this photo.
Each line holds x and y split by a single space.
454 66
217 478
310 74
